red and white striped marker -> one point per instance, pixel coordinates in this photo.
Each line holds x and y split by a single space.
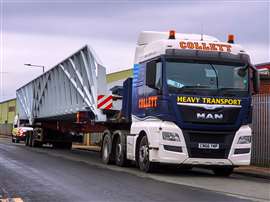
105 101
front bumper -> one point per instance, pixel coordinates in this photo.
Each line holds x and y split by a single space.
178 152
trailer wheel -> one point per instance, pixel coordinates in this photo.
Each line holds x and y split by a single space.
106 151
68 145
120 152
143 156
62 145
26 141
33 142
223 171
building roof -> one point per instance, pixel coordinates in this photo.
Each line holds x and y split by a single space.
120 75
9 100
263 65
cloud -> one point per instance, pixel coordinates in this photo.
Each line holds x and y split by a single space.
125 21
259 53
49 51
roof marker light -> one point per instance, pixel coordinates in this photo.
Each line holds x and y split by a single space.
172 34
230 38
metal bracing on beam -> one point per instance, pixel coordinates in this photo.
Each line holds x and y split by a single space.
75 85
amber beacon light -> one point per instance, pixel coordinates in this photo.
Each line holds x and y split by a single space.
230 38
172 34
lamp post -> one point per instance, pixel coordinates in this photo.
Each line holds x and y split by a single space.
31 65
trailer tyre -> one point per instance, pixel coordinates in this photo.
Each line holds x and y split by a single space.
143 156
223 171
68 145
33 142
106 151
26 142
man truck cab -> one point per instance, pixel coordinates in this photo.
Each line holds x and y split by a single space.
191 102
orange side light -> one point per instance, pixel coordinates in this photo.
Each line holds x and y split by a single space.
230 38
172 34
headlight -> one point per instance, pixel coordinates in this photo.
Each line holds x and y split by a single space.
244 140
170 136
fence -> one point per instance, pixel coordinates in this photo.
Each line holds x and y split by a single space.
261 130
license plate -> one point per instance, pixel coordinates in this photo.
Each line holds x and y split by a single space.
208 146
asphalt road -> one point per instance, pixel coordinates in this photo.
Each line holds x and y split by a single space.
44 174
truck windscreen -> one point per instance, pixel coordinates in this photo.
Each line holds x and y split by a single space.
222 77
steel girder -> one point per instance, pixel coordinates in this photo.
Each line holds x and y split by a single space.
69 87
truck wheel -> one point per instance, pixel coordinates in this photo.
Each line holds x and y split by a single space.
34 143
143 156
223 171
64 145
68 145
106 149
120 157
57 145
26 140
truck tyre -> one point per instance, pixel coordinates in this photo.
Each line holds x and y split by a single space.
33 142
68 145
223 171
26 140
106 151
62 145
120 151
57 145
143 156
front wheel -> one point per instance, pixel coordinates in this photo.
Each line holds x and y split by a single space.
223 171
143 156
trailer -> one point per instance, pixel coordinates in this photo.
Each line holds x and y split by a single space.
188 103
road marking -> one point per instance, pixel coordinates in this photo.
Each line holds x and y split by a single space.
11 200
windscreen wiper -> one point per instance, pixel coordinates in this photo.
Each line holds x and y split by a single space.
197 87
229 91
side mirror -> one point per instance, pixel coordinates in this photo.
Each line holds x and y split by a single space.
256 80
151 72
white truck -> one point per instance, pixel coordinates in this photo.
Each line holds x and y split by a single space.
188 103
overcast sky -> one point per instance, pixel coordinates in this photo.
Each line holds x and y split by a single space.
45 32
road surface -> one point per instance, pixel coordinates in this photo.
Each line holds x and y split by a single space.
44 174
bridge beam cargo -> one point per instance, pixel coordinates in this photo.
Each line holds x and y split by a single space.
69 87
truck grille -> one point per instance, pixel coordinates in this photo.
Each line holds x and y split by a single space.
193 138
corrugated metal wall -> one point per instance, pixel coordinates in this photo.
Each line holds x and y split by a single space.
7 113
261 130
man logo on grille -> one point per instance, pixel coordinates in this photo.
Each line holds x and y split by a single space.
209 116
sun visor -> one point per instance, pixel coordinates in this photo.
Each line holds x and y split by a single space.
208 55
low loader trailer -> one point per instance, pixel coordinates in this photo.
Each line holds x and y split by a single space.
188 103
